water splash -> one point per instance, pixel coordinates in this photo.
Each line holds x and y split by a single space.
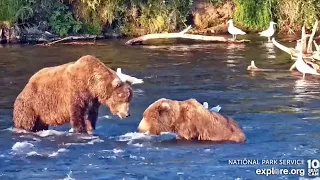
69 176
22 146
132 136
47 133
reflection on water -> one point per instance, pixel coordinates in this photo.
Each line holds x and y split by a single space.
306 90
270 49
233 55
278 111
235 46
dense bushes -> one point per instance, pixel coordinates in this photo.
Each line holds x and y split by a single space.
253 14
291 14
62 21
13 11
136 17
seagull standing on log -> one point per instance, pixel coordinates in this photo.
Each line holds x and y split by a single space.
234 30
268 32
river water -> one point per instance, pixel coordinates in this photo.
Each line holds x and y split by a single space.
278 111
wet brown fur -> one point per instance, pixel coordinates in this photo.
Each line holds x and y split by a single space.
72 93
190 120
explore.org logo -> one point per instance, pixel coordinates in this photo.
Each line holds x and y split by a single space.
281 171
267 167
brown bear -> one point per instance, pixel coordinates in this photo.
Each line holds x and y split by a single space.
72 93
189 120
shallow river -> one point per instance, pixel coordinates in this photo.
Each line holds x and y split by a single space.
278 111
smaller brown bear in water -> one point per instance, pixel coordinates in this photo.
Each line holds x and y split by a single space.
72 93
189 120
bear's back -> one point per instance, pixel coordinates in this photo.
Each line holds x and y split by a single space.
49 73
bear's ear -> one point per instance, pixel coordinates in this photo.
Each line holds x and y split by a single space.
116 83
165 106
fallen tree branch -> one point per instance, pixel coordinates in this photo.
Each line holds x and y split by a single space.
60 40
293 52
141 39
316 55
316 45
186 30
71 38
314 30
303 45
84 43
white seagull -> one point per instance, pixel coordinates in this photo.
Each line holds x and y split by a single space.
215 109
303 67
268 32
234 30
127 78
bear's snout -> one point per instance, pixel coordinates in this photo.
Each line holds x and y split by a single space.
123 115
121 110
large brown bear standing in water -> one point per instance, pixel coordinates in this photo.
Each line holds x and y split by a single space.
189 120
72 93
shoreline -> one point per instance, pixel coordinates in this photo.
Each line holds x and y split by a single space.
47 39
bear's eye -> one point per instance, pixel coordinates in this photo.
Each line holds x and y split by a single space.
119 84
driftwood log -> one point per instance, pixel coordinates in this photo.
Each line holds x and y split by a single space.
306 41
73 38
304 46
253 67
182 34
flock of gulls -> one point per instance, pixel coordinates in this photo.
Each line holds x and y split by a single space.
236 31
300 64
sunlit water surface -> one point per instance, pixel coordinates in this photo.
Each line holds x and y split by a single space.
278 111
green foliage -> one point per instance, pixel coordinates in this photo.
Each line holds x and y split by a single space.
183 9
42 9
14 10
106 10
154 16
93 28
137 17
24 13
309 12
62 21
96 13
253 14
292 14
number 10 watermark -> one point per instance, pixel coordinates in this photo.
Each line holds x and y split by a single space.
313 167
